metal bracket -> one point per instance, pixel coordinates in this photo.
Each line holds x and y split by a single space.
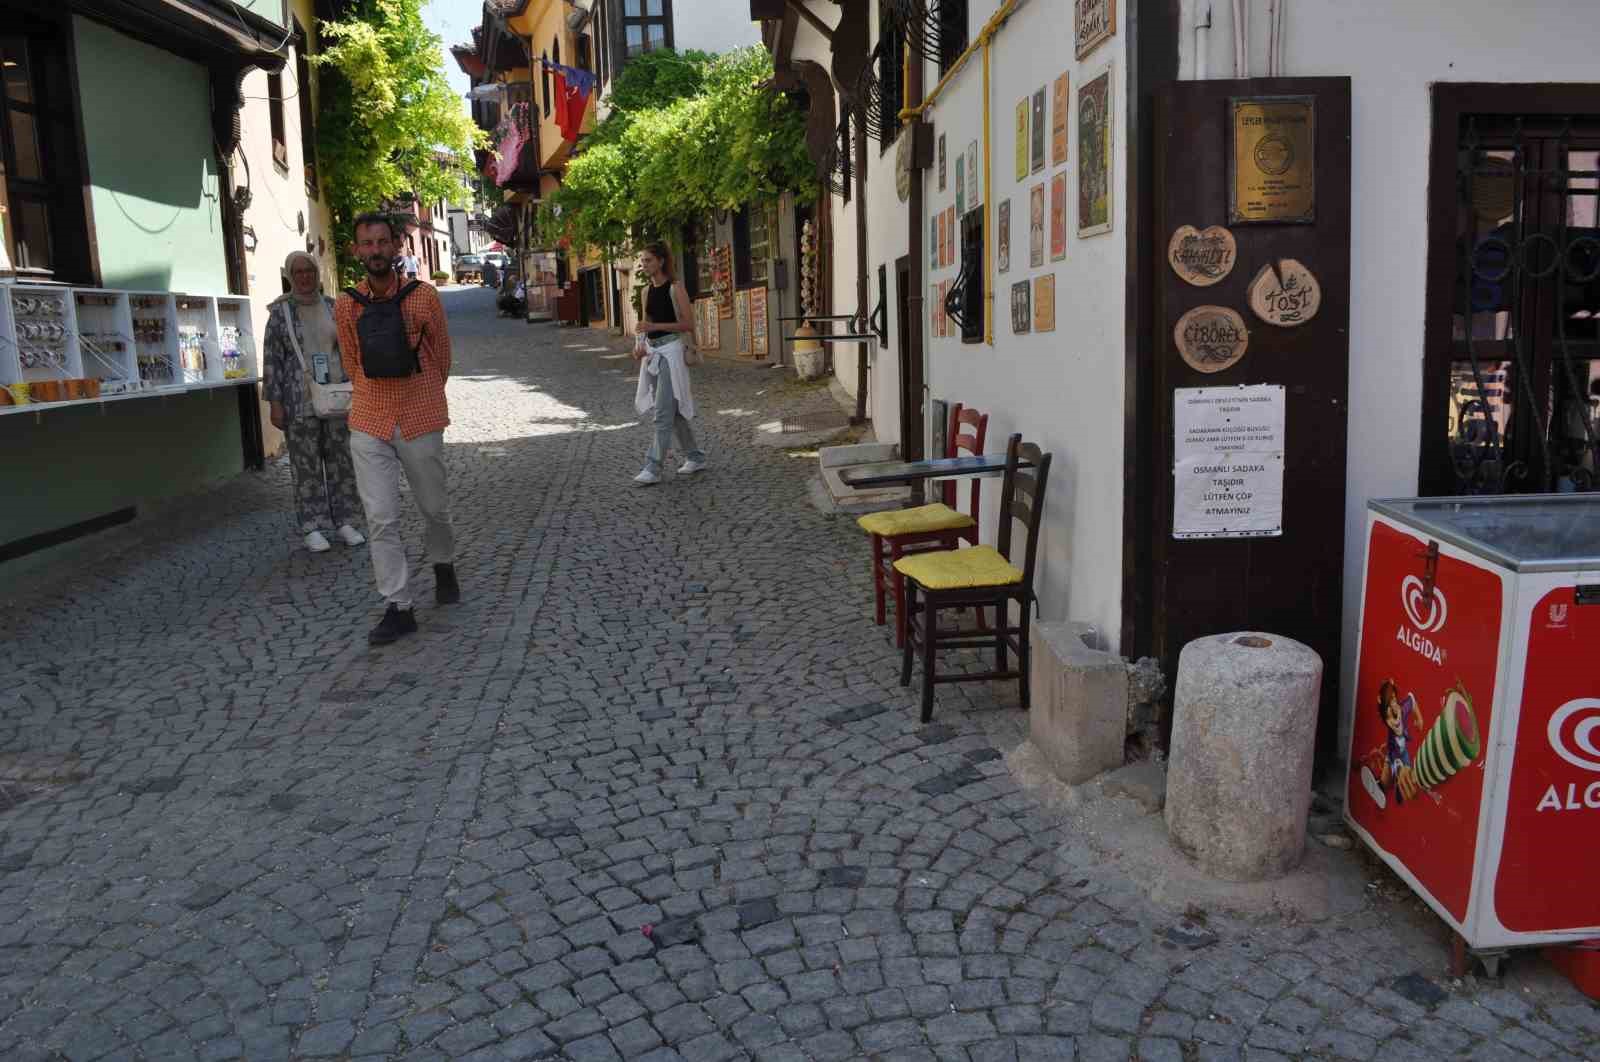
1430 571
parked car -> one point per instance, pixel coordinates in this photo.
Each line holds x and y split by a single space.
500 259
469 268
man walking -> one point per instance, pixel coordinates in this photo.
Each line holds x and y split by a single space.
395 347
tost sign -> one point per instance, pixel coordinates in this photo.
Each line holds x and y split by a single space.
1272 163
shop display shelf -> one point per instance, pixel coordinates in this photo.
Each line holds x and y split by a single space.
38 335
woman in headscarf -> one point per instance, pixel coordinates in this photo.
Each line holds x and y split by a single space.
301 345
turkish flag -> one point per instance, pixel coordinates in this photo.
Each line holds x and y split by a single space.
571 103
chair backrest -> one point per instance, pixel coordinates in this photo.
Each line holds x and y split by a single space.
968 429
1022 499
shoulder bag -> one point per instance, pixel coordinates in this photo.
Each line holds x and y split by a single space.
330 401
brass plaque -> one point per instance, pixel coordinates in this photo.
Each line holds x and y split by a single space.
1273 159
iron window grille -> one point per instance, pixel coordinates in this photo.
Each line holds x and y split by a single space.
1524 356
935 30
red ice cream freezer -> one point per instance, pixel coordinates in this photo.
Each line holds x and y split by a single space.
1474 765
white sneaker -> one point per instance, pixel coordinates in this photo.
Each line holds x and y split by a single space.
316 542
689 468
646 478
351 537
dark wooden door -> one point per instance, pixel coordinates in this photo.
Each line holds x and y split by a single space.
1287 585
910 360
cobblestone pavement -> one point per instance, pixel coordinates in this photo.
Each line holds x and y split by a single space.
649 792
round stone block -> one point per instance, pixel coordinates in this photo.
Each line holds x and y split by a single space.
1244 727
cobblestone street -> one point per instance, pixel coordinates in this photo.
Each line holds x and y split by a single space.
651 791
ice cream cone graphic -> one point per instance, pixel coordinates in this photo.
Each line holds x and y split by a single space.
1452 744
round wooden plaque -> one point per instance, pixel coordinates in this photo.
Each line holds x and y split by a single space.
1211 338
1201 256
1286 296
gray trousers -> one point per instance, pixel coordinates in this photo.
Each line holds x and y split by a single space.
324 481
378 465
668 419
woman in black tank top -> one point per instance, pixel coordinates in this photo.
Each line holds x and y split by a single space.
663 375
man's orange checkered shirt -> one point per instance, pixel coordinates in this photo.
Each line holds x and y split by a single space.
416 404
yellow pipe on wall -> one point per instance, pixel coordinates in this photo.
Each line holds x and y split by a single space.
985 36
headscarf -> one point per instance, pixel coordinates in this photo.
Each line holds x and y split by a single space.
288 272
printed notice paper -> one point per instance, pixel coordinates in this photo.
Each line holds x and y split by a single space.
1227 462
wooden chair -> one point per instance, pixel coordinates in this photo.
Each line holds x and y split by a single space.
979 577
904 532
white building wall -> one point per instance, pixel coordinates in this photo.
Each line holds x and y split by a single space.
1061 389
713 25
1393 53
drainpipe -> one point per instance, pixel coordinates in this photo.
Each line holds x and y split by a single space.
863 286
913 449
1202 40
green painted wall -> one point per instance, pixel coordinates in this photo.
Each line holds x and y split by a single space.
272 10
147 126
67 465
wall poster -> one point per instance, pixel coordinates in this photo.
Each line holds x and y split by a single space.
741 324
952 230
758 322
1036 140
1036 225
1022 139
961 183
1227 462
1058 217
1003 240
1094 156
933 242
1094 22
1060 108
941 162
1044 303
1272 161
1021 308
974 178
722 280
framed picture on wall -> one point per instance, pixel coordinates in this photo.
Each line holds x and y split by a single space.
1094 155
1036 225
1022 139
974 178
1036 140
1044 303
961 184
1094 22
941 162
1003 237
1060 108
1021 308
1058 217
933 242
951 229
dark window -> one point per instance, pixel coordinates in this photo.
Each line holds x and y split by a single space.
889 57
45 226
741 247
308 125
752 245
280 140
1512 370
585 57
704 255
952 33
544 80
646 25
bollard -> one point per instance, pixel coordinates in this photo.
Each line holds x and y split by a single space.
1243 734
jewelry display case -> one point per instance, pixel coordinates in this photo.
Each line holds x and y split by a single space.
63 345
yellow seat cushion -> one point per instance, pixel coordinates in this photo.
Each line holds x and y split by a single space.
919 521
959 569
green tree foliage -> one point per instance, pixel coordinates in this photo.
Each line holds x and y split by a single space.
686 133
386 114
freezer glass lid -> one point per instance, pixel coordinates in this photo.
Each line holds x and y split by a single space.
1528 531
